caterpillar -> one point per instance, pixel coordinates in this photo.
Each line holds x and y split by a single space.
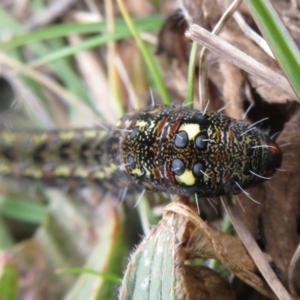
170 149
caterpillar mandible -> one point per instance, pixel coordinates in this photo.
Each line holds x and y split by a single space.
171 149
186 152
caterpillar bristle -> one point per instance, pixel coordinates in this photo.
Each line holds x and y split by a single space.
246 193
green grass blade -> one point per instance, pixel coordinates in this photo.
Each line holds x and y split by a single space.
9 286
8 25
107 258
279 40
86 44
6 239
191 75
22 210
146 54
57 55
62 30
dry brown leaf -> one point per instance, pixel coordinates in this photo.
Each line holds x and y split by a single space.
204 241
262 261
233 83
172 41
204 283
275 222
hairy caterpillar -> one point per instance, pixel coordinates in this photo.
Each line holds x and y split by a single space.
187 152
163 148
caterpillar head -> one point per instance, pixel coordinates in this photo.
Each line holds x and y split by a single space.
187 152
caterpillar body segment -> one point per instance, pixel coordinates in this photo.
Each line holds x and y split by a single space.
56 156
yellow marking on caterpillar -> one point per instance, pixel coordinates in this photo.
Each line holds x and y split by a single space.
191 130
186 178
90 133
107 171
66 135
80 172
63 171
100 175
210 131
4 169
32 172
248 139
141 123
39 138
8 137
137 172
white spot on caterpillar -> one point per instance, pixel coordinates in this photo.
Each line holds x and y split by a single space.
151 125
